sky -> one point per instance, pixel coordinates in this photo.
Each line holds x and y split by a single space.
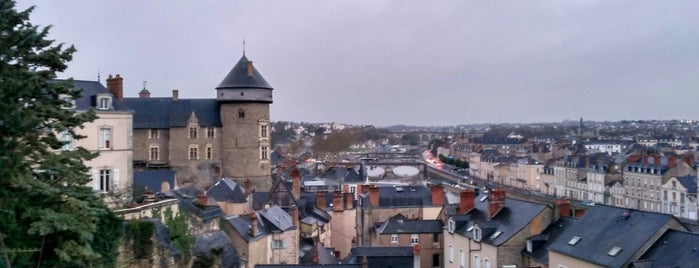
425 63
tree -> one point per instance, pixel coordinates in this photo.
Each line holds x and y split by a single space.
44 203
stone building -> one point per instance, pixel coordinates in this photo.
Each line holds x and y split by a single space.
204 140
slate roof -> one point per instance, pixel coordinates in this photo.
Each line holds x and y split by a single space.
409 196
238 77
672 249
625 228
353 176
516 215
541 242
165 112
382 257
152 180
277 219
89 90
219 241
690 183
241 224
400 225
382 251
269 220
227 190
324 254
308 265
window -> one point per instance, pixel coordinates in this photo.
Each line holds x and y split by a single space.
263 153
451 253
154 153
462 256
414 239
353 189
394 239
278 244
614 251
193 132
495 235
451 225
105 180
209 152
476 261
210 132
105 137
241 113
67 140
153 133
263 131
477 235
530 247
574 240
193 152
435 260
104 103
435 238
486 263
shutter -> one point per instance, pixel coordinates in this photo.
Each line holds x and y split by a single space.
117 179
95 179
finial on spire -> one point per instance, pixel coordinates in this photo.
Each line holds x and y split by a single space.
98 75
144 84
243 46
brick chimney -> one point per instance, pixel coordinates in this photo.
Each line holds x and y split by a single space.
671 162
634 158
374 196
416 256
657 160
467 202
246 185
295 215
496 202
364 188
296 183
349 201
645 160
563 205
115 85
437 191
249 68
253 224
202 199
320 200
175 94
338 201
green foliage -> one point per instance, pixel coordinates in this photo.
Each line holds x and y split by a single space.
140 237
179 233
335 142
44 200
411 139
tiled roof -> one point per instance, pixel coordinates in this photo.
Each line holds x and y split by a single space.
238 77
226 190
167 113
672 249
89 90
152 180
400 225
627 229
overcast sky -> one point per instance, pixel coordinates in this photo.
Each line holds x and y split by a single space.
401 62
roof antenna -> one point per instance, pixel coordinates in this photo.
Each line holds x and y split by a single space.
243 46
98 75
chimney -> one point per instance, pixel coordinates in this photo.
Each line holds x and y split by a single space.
249 68
338 201
563 205
374 196
295 215
320 200
645 160
202 199
317 253
657 160
253 224
364 188
496 202
246 184
416 256
437 191
349 201
587 161
175 94
671 162
296 183
115 85
467 202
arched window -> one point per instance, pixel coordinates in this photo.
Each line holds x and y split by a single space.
241 113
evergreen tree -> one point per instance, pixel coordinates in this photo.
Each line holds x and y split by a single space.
48 217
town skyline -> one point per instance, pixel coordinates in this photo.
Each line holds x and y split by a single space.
375 63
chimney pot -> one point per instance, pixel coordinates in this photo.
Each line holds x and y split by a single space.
253 224
320 200
468 200
496 202
374 196
115 85
437 192
563 207
338 201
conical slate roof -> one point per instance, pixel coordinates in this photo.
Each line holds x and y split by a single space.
240 77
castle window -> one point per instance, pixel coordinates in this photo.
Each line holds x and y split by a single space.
263 131
209 152
153 133
241 113
264 153
193 132
105 138
210 132
193 152
154 152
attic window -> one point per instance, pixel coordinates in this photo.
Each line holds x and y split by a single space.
530 247
495 235
469 229
104 102
483 198
574 240
614 251
451 225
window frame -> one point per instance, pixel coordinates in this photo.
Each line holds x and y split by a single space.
193 152
105 179
394 239
105 134
193 132
154 152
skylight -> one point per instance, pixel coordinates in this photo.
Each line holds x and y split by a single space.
495 235
614 251
469 229
574 240
483 198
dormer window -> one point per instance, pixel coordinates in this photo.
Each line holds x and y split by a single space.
574 240
451 225
530 247
69 102
477 234
104 101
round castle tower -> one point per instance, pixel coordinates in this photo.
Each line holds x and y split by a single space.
244 97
